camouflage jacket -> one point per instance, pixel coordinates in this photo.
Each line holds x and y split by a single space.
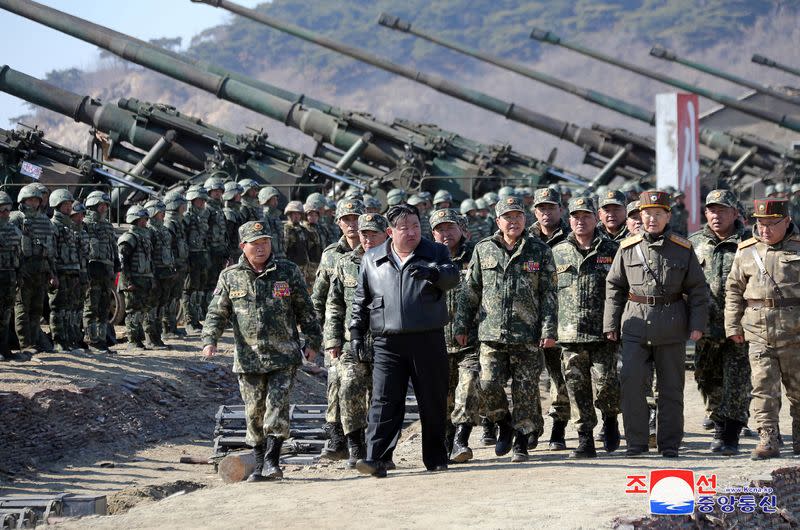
582 287
675 264
679 221
622 234
10 248
136 252
558 236
322 281
67 245
331 231
530 218
512 297
296 240
102 241
217 228
180 248
163 258
272 217
265 310
314 241
38 240
250 210
83 242
478 228
773 326
460 260
196 224
716 259
339 305
234 218
425 226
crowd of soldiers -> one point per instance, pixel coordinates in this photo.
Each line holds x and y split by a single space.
539 267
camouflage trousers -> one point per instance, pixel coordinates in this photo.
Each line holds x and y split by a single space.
169 320
194 288
97 304
722 373
463 388
29 306
581 360
309 274
63 301
771 367
137 304
523 364
266 403
355 391
332 389
559 397
218 260
158 303
8 290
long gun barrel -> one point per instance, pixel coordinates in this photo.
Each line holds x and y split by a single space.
667 55
764 61
782 120
560 129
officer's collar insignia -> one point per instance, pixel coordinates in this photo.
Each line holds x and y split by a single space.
257 226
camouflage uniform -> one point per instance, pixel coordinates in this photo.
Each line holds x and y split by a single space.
265 310
765 309
75 319
68 269
173 221
250 210
196 224
234 218
296 240
314 248
679 222
136 280
103 266
164 275
10 255
272 218
218 250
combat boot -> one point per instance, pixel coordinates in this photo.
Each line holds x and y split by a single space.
156 344
336 448
461 451
388 460
585 447
730 438
272 460
60 347
356 447
376 468
557 441
449 437
652 440
611 436
767 444
709 424
520 447
717 442
259 451
505 436
489 436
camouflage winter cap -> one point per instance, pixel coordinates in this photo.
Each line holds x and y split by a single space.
546 196
509 204
722 197
581 204
349 207
654 199
633 207
445 215
372 221
770 208
253 231
612 197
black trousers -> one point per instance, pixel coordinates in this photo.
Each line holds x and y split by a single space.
423 358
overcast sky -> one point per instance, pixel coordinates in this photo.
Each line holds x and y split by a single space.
35 49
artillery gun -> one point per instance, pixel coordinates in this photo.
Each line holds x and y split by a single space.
764 61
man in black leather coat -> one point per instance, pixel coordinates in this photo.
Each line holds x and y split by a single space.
400 299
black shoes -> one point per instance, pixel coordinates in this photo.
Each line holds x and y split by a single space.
669 453
505 436
717 443
461 452
375 468
259 451
585 447
272 468
636 450
356 447
611 436
557 441
520 447
336 448
489 436
730 438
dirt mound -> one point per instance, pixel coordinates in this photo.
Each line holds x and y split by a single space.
124 500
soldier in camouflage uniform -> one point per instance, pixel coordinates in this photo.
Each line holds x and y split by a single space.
314 238
250 209
175 203
510 294
164 275
68 269
234 218
395 196
295 236
762 307
196 225
10 257
582 262
721 367
476 225
136 280
633 223
265 300
463 399
552 229
679 222
372 205
613 216
37 269
103 266
78 214
347 218
271 215
327 222
424 216
355 374
218 250
656 298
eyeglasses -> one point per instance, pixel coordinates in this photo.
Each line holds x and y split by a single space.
773 224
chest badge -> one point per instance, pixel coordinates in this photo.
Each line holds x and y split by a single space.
531 266
605 260
281 290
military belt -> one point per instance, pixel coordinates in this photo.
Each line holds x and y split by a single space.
771 302
655 300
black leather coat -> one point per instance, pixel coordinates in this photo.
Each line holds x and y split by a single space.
389 301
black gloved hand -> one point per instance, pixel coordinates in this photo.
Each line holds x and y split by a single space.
424 272
359 348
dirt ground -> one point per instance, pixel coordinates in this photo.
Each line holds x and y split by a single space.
550 491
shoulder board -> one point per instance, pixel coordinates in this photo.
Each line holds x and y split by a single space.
630 241
681 241
747 242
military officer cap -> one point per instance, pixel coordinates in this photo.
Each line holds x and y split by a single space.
722 197
77 208
372 221
480 204
581 204
654 199
5 198
795 188
248 184
770 208
612 197
60 195
97 197
253 231
547 196
633 207
467 205
442 196
491 198
29 191
231 190
505 192
445 215
509 204
372 202
196 192
215 183
155 206
311 207
414 200
173 201
349 207
135 213
293 206
395 197
266 193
